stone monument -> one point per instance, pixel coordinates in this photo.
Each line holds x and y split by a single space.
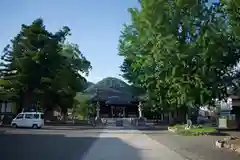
140 109
141 119
189 124
98 120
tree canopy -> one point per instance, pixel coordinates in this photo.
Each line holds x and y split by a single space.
40 66
181 52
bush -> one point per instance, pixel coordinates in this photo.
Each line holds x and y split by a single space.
196 130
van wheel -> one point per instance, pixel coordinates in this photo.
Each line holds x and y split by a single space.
34 126
14 125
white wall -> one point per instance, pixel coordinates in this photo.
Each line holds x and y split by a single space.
6 107
221 105
2 106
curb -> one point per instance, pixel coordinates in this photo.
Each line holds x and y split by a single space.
172 130
175 130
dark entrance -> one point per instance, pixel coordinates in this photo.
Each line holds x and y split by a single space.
118 112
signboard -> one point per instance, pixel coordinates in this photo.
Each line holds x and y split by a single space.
222 123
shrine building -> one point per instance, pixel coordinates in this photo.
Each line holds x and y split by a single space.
115 104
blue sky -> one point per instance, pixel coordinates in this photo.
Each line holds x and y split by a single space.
95 26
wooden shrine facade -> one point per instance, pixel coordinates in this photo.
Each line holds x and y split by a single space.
115 104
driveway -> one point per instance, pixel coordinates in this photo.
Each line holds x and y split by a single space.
194 147
24 144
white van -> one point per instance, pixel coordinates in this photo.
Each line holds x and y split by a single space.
28 119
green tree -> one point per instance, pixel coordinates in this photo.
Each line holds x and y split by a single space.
38 66
233 19
179 51
73 66
83 106
21 60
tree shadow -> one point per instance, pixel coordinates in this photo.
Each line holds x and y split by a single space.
229 130
59 127
69 123
62 147
133 127
81 128
153 128
71 127
218 134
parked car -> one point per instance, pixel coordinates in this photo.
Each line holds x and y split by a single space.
202 120
28 119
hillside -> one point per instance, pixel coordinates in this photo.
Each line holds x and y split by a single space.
111 84
89 84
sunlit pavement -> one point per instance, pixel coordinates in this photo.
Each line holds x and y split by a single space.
131 146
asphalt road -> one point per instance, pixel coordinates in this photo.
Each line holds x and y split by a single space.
29 144
194 147
70 143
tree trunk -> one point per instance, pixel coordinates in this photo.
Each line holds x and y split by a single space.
64 113
27 100
182 115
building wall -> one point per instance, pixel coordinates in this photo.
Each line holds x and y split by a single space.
7 107
236 109
130 111
236 102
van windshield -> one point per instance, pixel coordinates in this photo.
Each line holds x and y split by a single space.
20 116
36 116
42 116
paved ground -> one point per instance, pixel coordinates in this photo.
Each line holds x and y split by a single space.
130 146
28 144
76 143
194 147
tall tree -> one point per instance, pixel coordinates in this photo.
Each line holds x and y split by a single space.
179 51
39 67
231 9
73 66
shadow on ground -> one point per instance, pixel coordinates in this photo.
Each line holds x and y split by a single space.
229 130
153 128
218 134
60 147
62 127
109 127
43 147
71 127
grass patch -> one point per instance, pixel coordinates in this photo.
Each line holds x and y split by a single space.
194 131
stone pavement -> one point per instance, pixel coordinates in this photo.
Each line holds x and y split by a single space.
131 146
